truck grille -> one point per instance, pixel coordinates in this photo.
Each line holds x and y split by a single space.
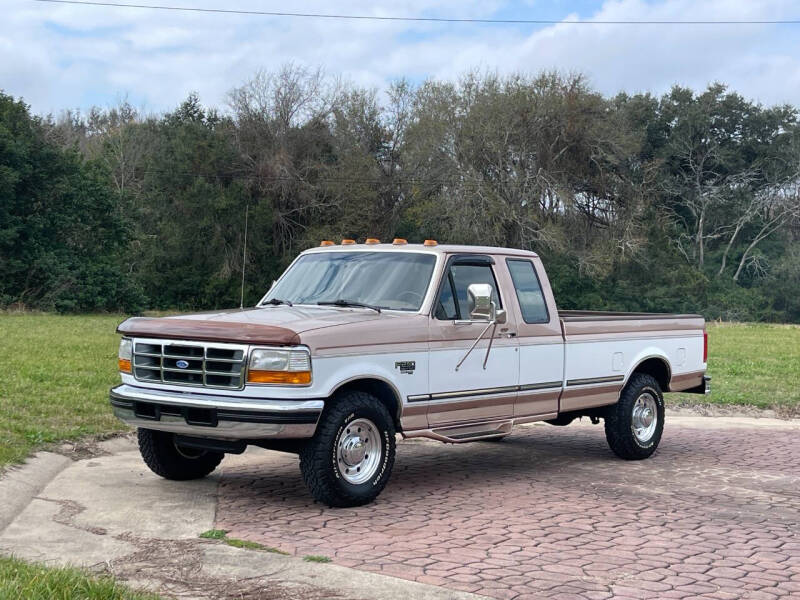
185 363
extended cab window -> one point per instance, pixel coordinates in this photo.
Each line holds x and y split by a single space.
453 302
529 291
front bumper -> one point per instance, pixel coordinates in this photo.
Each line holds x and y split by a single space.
213 416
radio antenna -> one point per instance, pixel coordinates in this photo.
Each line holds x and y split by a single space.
244 255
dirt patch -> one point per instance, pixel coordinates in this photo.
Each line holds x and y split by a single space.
174 568
88 447
700 409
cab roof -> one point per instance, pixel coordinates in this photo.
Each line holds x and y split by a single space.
437 249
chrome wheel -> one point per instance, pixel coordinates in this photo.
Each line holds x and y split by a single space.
644 418
359 451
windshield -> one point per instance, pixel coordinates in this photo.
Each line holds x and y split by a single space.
390 280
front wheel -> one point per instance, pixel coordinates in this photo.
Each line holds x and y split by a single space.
350 457
172 461
634 424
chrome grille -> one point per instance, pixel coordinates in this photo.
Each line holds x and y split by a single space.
190 363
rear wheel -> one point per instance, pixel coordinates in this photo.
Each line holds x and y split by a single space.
171 461
350 458
634 424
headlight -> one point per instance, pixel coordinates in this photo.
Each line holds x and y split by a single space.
124 355
279 366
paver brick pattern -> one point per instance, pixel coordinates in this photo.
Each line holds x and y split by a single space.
549 512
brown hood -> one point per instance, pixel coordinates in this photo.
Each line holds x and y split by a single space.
277 325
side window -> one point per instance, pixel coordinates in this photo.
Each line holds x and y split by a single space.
529 291
453 302
446 309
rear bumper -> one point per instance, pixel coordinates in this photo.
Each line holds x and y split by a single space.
704 388
213 416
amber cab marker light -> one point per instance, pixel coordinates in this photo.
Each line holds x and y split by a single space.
326 243
348 242
293 377
124 365
399 241
430 243
372 241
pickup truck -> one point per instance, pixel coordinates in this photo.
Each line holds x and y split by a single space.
359 342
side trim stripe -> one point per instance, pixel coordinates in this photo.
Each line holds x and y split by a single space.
539 386
486 391
593 380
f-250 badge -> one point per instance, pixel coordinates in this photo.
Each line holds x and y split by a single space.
406 366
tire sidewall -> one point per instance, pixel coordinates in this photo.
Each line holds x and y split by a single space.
656 437
378 479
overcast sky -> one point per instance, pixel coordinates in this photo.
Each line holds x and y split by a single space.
59 56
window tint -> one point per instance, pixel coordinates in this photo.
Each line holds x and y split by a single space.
529 292
456 283
446 308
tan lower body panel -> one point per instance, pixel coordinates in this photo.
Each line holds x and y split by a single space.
536 402
685 381
590 396
485 408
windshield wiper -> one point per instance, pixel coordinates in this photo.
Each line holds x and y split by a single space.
341 302
276 302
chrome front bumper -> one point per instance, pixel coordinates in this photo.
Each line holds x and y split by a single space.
213 416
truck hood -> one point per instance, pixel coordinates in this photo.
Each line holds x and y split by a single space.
276 325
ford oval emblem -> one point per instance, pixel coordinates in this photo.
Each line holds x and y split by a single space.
182 364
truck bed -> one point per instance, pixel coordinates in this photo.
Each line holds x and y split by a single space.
606 315
588 322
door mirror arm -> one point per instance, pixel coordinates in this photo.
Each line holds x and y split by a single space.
483 308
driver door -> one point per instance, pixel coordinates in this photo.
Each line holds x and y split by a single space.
471 393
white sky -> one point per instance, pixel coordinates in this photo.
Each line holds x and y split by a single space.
60 56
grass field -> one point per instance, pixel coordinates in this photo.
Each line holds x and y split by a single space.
753 364
25 581
56 372
54 380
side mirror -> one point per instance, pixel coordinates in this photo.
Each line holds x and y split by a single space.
481 308
479 300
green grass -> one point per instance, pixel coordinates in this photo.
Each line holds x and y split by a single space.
316 558
24 581
221 534
214 534
753 364
56 372
54 381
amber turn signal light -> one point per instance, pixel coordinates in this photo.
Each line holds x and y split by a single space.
348 242
326 243
124 365
295 378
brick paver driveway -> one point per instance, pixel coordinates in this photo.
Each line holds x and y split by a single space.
549 512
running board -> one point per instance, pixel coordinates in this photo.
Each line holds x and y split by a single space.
467 433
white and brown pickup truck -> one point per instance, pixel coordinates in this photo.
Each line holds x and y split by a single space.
356 343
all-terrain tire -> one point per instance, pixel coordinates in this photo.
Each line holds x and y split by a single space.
321 461
641 391
164 458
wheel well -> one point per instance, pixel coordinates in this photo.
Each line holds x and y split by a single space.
381 390
656 368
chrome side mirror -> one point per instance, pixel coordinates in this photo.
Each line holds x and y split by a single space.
481 308
479 300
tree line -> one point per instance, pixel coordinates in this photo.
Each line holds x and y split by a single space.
688 201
